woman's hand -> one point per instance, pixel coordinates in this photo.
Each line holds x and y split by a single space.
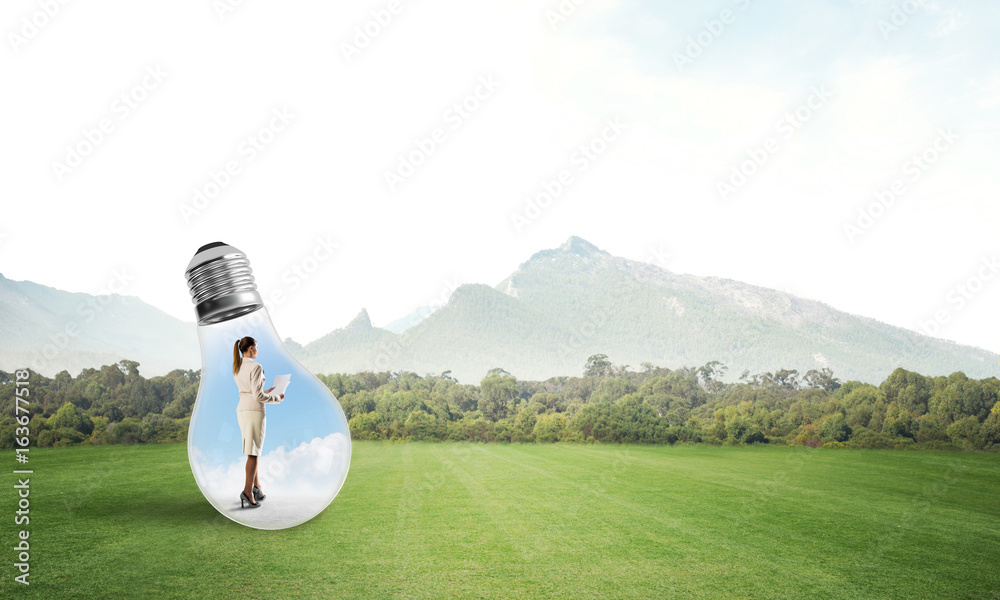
268 390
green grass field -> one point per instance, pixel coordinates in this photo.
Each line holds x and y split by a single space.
526 521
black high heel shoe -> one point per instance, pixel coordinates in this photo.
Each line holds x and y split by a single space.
257 494
243 498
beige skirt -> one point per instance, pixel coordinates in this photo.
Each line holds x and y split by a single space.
252 424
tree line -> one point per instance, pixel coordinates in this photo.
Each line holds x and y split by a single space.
607 404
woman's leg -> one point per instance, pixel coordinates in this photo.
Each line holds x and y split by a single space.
251 477
256 479
256 468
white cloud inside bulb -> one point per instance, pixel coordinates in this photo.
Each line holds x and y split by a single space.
309 470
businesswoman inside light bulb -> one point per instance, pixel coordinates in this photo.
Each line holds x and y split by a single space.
249 376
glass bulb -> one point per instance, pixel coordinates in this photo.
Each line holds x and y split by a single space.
306 450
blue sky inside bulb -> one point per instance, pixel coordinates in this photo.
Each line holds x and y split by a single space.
307 445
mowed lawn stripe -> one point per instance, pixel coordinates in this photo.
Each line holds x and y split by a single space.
456 520
783 492
623 541
713 516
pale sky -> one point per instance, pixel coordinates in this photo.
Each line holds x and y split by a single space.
488 103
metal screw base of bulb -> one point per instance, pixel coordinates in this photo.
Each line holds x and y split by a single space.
221 284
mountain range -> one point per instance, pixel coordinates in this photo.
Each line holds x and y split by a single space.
566 304
558 308
51 330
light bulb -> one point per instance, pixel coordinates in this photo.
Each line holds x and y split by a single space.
306 450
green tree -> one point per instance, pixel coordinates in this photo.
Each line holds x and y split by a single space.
711 375
68 417
910 390
498 394
822 379
991 427
549 427
784 378
365 426
130 431
834 427
420 425
524 423
898 422
549 401
611 389
743 430
860 402
967 433
597 365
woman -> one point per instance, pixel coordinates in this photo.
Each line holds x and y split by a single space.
249 377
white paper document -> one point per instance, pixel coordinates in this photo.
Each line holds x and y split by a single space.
281 383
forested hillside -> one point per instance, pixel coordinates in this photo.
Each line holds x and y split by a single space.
607 404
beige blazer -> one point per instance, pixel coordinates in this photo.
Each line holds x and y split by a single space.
250 381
